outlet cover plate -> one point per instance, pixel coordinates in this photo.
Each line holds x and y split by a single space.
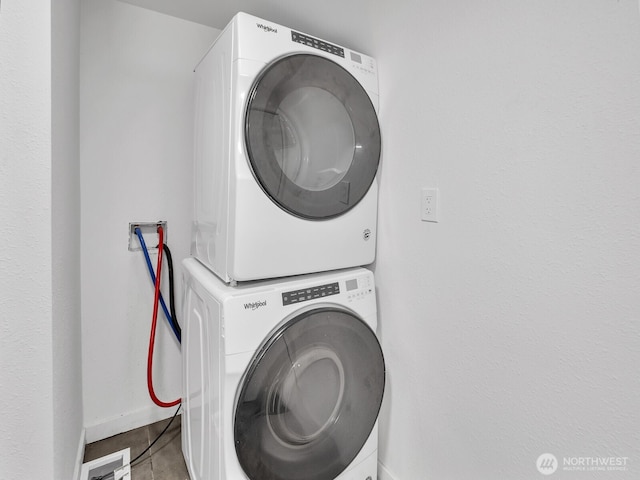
429 204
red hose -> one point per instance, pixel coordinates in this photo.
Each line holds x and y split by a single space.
154 321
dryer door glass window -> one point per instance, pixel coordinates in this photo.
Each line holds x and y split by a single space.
312 136
310 397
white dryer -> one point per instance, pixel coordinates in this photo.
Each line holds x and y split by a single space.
287 147
281 380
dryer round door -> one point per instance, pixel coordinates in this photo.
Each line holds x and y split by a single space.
312 136
310 397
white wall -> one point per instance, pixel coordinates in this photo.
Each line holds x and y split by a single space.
512 327
65 248
135 158
40 375
25 229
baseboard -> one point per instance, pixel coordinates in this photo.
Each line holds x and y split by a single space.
383 473
80 455
126 422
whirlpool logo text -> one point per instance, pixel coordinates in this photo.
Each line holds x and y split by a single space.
255 305
266 28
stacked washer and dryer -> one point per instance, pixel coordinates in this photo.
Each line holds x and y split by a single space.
283 375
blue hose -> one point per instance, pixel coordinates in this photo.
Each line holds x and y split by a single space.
153 280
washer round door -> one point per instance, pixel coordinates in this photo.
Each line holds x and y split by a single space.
310 397
312 136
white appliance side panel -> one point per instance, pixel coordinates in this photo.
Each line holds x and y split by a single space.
193 423
211 155
187 403
201 440
243 73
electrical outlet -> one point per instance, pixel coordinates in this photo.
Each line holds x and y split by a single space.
429 205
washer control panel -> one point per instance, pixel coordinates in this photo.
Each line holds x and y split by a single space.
353 289
358 288
311 293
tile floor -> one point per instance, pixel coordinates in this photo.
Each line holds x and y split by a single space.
163 462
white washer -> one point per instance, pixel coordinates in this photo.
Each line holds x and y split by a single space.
281 380
287 147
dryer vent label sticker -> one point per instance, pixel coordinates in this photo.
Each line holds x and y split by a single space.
255 305
266 28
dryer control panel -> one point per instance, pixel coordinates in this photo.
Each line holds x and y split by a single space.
358 61
315 43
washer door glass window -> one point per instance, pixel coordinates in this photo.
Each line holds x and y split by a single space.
310 397
312 136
